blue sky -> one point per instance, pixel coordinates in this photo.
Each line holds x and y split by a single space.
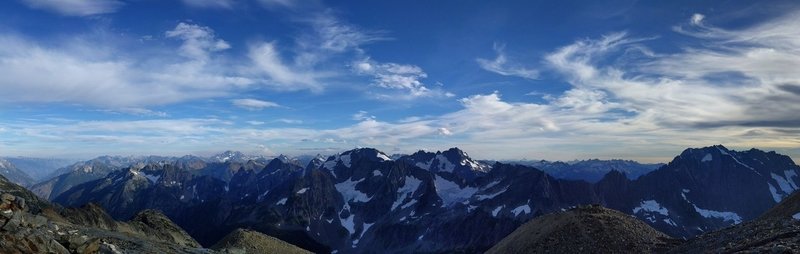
500 79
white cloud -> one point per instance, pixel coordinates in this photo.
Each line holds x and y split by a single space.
280 3
330 37
697 19
255 122
253 104
268 63
137 112
91 72
198 41
500 65
76 7
402 77
223 4
362 116
288 121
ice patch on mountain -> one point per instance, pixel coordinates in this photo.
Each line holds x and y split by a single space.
785 186
348 224
383 157
349 192
790 176
651 206
521 209
497 210
708 157
411 185
726 216
303 190
491 195
450 192
775 196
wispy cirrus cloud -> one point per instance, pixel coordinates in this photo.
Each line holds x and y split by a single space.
76 7
198 41
502 66
268 64
96 73
406 78
220 4
253 104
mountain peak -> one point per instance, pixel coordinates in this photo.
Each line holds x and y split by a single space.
367 153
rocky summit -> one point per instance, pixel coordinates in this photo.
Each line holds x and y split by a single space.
585 229
249 241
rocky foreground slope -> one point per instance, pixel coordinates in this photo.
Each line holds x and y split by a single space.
776 231
586 229
31 225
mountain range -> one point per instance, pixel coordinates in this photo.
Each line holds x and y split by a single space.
589 170
365 201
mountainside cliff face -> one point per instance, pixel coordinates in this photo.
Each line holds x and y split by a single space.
364 201
14 174
705 189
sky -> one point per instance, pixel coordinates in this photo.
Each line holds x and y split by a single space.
557 80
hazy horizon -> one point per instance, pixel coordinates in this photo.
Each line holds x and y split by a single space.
514 80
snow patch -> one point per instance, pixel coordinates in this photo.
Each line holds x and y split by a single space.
410 203
348 224
345 160
261 197
726 216
708 157
377 173
796 216
364 230
411 185
521 209
445 164
383 157
497 210
450 192
490 185
651 206
281 202
152 178
782 183
775 196
349 192
491 195
303 190
790 175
